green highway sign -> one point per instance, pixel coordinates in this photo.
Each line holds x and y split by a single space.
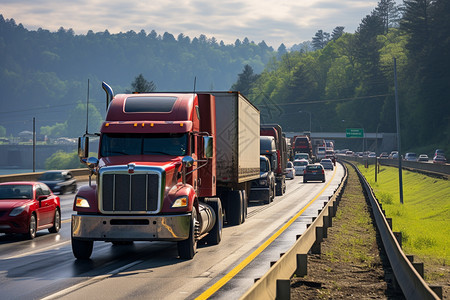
354 132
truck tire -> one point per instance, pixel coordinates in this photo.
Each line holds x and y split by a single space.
82 249
244 206
187 248
235 205
279 188
215 235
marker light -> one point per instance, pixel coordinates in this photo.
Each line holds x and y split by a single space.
107 124
135 124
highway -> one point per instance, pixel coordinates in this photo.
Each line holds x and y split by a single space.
44 268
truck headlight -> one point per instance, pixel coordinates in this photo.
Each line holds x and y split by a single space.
81 202
262 182
181 202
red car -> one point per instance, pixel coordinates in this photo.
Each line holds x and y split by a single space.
26 207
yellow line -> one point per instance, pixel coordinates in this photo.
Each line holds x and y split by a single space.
215 287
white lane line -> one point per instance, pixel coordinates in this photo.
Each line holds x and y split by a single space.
90 281
37 250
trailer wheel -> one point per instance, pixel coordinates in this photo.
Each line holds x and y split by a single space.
215 235
82 249
235 206
187 248
244 206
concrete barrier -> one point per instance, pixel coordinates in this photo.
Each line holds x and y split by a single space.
79 174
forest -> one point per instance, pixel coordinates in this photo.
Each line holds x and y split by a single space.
335 81
348 80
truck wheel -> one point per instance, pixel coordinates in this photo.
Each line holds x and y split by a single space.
188 247
234 208
279 189
273 191
215 235
82 249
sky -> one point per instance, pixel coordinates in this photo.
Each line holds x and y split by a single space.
273 21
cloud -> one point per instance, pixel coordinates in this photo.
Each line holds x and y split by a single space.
275 22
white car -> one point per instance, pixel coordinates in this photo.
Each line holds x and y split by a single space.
299 166
290 171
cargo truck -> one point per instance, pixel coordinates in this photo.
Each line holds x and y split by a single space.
279 170
170 167
302 144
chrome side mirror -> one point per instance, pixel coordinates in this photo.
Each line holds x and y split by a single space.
92 162
83 147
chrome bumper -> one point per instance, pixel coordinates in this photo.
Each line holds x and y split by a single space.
131 228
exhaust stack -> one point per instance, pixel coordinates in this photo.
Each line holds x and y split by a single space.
109 93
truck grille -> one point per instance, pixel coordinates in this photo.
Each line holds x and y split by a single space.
124 193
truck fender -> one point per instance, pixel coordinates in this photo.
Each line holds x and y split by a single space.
177 191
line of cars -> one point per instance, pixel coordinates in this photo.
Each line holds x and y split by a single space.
303 166
29 206
438 156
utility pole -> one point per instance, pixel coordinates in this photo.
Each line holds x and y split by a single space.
397 116
34 144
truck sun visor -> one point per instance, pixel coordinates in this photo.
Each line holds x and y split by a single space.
149 104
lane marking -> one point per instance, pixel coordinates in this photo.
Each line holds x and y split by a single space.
90 281
215 287
37 250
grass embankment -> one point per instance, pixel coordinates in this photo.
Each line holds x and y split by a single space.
423 218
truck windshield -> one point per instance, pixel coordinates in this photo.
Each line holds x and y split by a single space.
115 144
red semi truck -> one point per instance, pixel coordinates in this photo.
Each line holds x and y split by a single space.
169 167
302 144
282 154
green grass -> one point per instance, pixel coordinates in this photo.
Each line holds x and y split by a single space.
423 218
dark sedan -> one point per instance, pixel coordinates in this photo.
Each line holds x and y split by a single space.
314 172
26 207
59 181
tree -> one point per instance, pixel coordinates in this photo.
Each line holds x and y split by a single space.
2 131
245 80
281 50
320 40
389 13
337 33
141 85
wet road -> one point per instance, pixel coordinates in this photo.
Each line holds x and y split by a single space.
45 266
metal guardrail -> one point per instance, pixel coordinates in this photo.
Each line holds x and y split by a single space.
275 284
408 279
436 169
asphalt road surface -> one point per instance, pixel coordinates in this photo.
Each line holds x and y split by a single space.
46 268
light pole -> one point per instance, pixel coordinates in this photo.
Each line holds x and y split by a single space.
302 111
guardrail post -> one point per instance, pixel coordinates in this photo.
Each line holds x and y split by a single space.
437 289
302 265
330 216
315 249
419 268
326 224
398 237
389 221
283 289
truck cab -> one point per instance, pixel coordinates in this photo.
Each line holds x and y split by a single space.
155 174
264 188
